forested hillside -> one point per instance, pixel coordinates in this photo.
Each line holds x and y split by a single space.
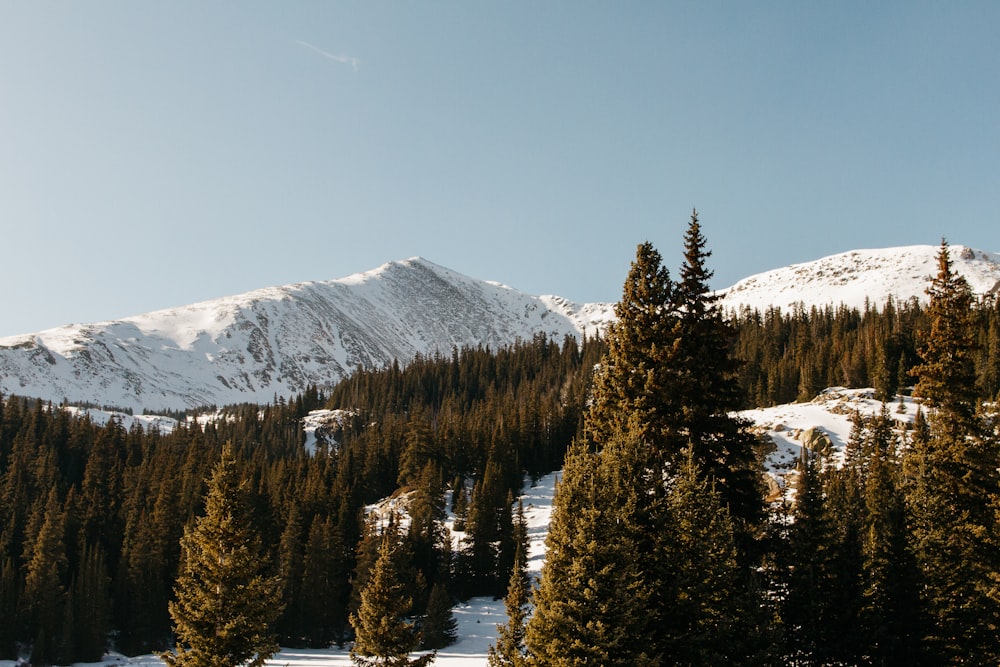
92 516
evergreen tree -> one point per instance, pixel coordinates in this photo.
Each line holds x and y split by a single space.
510 649
888 615
722 445
439 627
592 605
9 626
324 585
634 378
92 606
706 614
383 635
225 602
670 373
291 555
810 569
955 481
946 373
45 597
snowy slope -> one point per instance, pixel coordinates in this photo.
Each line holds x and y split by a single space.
277 341
851 277
831 413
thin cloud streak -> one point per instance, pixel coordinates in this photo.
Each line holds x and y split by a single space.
346 60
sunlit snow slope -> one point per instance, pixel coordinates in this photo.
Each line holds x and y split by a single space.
277 341
852 277
280 340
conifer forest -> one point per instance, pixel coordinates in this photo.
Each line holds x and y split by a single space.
661 551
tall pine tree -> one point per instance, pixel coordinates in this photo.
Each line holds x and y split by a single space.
383 635
226 603
954 486
592 606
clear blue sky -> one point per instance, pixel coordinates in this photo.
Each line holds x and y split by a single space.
154 154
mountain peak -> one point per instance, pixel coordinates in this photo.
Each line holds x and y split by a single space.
280 340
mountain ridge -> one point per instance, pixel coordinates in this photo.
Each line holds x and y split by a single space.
279 340
856 276
276 341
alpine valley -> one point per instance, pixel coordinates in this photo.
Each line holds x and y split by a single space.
278 341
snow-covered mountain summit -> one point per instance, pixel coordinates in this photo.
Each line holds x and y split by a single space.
852 277
279 340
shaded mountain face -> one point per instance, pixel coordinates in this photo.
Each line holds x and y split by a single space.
278 341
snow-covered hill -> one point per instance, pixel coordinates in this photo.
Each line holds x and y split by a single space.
852 277
278 341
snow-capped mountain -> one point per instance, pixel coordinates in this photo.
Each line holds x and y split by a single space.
278 341
852 277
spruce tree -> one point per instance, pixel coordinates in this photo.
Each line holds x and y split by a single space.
510 649
324 585
670 373
634 378
592 605
888 615
226 603
438 627
383 635
810 558
721 444
92 606
9 626
705 615
955 482
44 600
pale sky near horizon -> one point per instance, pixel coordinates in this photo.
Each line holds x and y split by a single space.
156 154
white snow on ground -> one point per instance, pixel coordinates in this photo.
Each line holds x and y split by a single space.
831 412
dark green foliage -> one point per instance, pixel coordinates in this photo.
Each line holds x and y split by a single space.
954 487
705 612
670 373
324 586
591 607
102 508
810 564
889 616
226 603
91 598
44 601
655 534
383 635
510 649
128 495
439 627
